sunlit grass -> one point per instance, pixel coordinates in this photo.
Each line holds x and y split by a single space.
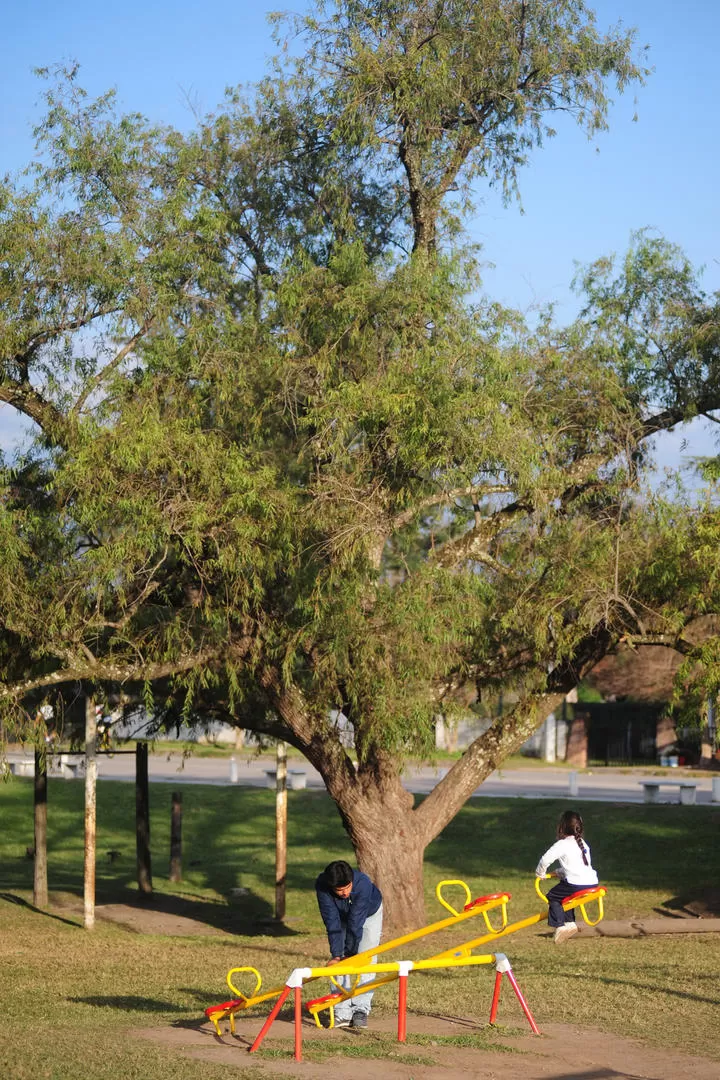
89 992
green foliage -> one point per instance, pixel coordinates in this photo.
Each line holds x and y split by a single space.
659 326
446 94
588 693
283 468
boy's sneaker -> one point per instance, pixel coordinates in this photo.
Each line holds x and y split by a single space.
343 1021
564 933
359 1019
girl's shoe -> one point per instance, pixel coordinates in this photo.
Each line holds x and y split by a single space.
564 933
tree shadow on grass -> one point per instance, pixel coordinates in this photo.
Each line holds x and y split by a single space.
126 1003
248 916
631 984
12 898
703 901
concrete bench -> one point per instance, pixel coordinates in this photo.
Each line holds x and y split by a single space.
61 766
25 767
65 767
296 779
687 790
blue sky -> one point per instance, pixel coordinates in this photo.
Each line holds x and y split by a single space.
581 199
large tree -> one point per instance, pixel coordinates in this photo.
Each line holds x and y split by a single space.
289 466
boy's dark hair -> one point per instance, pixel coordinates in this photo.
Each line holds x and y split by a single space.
571 824
338 873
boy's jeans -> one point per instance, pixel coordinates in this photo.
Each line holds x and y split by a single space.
372 932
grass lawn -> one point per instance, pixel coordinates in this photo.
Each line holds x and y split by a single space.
70 1001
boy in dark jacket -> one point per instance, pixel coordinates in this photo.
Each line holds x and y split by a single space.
351 908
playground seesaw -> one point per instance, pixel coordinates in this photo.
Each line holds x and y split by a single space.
580 899
240 1002
365 964
400 970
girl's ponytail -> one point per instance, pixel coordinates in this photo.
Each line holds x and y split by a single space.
571 824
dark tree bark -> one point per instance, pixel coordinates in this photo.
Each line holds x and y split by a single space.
142 819
176 837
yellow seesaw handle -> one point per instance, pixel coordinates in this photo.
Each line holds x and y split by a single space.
239 993
451 881
503 897
538 890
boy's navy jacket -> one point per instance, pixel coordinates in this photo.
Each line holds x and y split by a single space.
344 919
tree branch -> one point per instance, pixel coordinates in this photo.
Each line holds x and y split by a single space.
507 734
24 398
119 672
111 365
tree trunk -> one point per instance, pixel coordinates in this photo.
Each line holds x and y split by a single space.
40 878
176 837
378 815
388 834
392 857
390 837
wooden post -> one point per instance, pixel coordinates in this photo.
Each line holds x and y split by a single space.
280 830
176 837
142 818
707 738
40 879
90 813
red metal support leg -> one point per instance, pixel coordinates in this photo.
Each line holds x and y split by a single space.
523 1003
298 1023
495 997
268 1023
402 1008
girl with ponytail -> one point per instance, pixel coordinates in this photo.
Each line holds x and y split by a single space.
575 871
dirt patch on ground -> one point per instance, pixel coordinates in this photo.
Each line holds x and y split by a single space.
562 1052
175 916
144 921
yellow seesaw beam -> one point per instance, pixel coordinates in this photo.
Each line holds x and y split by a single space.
392 966
228 1009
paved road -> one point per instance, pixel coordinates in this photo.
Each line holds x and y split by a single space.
602 785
